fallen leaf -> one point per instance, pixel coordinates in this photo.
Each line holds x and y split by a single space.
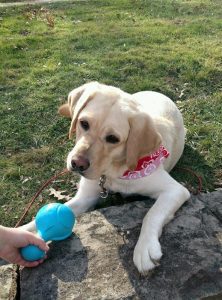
58 194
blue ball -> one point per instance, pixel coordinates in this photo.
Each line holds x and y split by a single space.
32 253
54 222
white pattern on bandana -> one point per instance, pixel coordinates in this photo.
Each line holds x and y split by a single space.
147 165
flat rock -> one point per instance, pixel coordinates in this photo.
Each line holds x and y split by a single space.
8 281
96 261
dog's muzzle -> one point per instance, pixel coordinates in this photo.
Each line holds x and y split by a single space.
80 164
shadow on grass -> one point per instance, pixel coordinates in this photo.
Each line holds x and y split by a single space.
193 161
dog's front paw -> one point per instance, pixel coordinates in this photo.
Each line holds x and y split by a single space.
146 255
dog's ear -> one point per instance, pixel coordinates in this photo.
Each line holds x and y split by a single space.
77 100
143 139
87 95
67 109
64 110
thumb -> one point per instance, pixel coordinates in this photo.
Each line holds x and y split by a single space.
36 240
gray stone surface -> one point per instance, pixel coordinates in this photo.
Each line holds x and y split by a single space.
8 281
96 262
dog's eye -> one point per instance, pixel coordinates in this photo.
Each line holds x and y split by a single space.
112 139
84 125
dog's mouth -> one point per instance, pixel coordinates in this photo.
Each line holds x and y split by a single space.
77 170
87 173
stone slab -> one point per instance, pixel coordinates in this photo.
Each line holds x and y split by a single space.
96 262
8 281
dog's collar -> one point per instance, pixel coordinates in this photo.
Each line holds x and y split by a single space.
147 165
103 193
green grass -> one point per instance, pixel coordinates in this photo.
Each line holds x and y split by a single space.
169 46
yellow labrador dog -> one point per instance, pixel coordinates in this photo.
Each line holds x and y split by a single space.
128 143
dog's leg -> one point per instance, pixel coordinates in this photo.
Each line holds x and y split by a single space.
148 250
29 226
85 198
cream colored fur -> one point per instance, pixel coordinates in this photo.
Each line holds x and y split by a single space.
141 122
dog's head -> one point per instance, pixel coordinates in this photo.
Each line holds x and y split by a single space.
111 131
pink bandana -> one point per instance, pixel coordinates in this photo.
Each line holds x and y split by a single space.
147 165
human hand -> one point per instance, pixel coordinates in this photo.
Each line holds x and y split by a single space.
12 239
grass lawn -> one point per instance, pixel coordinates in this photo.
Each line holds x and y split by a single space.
173 47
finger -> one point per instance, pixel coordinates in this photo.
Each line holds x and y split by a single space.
35 240
35 263
29 264
24 263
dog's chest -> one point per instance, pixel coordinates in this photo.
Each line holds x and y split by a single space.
124 186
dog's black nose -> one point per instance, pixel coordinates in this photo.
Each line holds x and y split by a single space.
80 164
